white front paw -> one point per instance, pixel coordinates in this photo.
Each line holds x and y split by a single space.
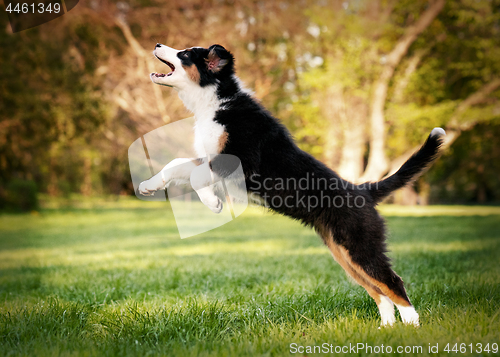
216 207
145 189
209 199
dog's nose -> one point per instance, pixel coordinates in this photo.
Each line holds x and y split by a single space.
158 45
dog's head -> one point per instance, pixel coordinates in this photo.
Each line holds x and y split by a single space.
201 66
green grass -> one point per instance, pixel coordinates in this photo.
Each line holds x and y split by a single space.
115 279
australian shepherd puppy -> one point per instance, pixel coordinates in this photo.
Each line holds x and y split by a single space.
230 121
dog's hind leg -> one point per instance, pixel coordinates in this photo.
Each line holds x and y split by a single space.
377 271
374 273
384 304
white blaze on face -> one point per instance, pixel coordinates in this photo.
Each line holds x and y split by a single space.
177 77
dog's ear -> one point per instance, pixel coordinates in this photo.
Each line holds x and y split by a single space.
218 57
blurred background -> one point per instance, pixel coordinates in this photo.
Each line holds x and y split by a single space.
359 83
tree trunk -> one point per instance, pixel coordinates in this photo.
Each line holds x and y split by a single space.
346 132
353 148
333 109
407 196
377 161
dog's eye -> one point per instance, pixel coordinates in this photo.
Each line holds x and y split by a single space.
185 54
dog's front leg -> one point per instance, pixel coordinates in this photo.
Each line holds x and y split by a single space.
202 180
178 169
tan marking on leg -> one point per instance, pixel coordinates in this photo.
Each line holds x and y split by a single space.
222 141
192 73
377 284
384 303
372 290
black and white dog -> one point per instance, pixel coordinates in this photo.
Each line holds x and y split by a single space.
230 121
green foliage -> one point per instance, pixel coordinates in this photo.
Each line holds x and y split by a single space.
50 100
468 171
309 126
313 64
19 195
345 75
460 55
410 124
119 281
427 87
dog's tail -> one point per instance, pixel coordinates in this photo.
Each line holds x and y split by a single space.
411 169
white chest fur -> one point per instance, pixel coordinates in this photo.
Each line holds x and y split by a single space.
207 135
203 102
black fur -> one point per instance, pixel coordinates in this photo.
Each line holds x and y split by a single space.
267 152
198 56
269 157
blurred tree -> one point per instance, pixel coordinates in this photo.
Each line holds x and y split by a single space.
377 161
361 53
349 78
49 96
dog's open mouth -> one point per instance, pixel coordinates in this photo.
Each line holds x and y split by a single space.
172 67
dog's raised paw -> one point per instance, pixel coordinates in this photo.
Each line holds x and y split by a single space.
144 191
217 208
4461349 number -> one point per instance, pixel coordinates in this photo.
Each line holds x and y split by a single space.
471 348
40 8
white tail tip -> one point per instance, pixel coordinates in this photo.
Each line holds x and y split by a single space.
438 132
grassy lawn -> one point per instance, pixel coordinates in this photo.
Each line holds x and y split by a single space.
116 279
